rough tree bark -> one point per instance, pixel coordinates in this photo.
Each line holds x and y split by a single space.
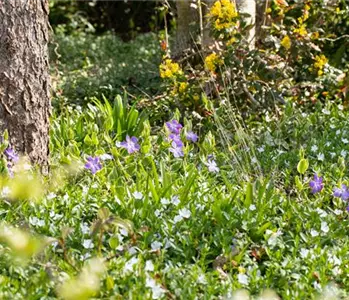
24 77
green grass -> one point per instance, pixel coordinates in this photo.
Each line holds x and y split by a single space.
270 229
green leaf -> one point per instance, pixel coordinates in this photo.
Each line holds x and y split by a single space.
249 195
302 166
299 184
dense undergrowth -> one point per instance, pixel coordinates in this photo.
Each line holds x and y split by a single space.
197 194
168 227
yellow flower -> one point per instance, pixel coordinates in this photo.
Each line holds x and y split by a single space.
231 41
301 30
286 42
212 61
169 69
315 35
320 61
224 12
182 87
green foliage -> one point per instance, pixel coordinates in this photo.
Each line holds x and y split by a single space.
86 66
157 222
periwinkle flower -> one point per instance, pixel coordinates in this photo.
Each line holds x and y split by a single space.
131 144
342 192
176 150
174 126
212 166
316 184
191 136
93 164
176 139
11 154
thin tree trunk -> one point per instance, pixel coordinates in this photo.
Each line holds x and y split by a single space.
183 39
24 77
207 37
249 7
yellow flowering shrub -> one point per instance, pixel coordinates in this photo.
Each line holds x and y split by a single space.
320 62
224 13
286 42
169 69
301 30
212 61
182 88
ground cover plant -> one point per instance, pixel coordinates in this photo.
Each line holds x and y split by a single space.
222 178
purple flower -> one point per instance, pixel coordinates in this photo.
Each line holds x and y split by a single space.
177 139
11 155
93 164
174 126
176 150
212 166
131 144
316 184
342 192
191 136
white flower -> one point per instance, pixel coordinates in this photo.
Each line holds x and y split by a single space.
333 154
175 200
252 207
212 166
273 237
314 148
123 231
132 250
324 227
157 213
5 191
326 111
345 141
84 228
202 279
328 144
317 286
336 271
156 290
137 195
243 279
185 213
338 132
338 212
314 233
36 222
106 156
344 153
129 264
321 157
177 219
164 201
260 149
149 266
304 252
87 244
156 245
321 212
51 196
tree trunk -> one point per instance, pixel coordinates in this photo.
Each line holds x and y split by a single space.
207 38
183 32
249 7
24 77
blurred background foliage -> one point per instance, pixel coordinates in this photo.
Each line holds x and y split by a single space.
125 18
